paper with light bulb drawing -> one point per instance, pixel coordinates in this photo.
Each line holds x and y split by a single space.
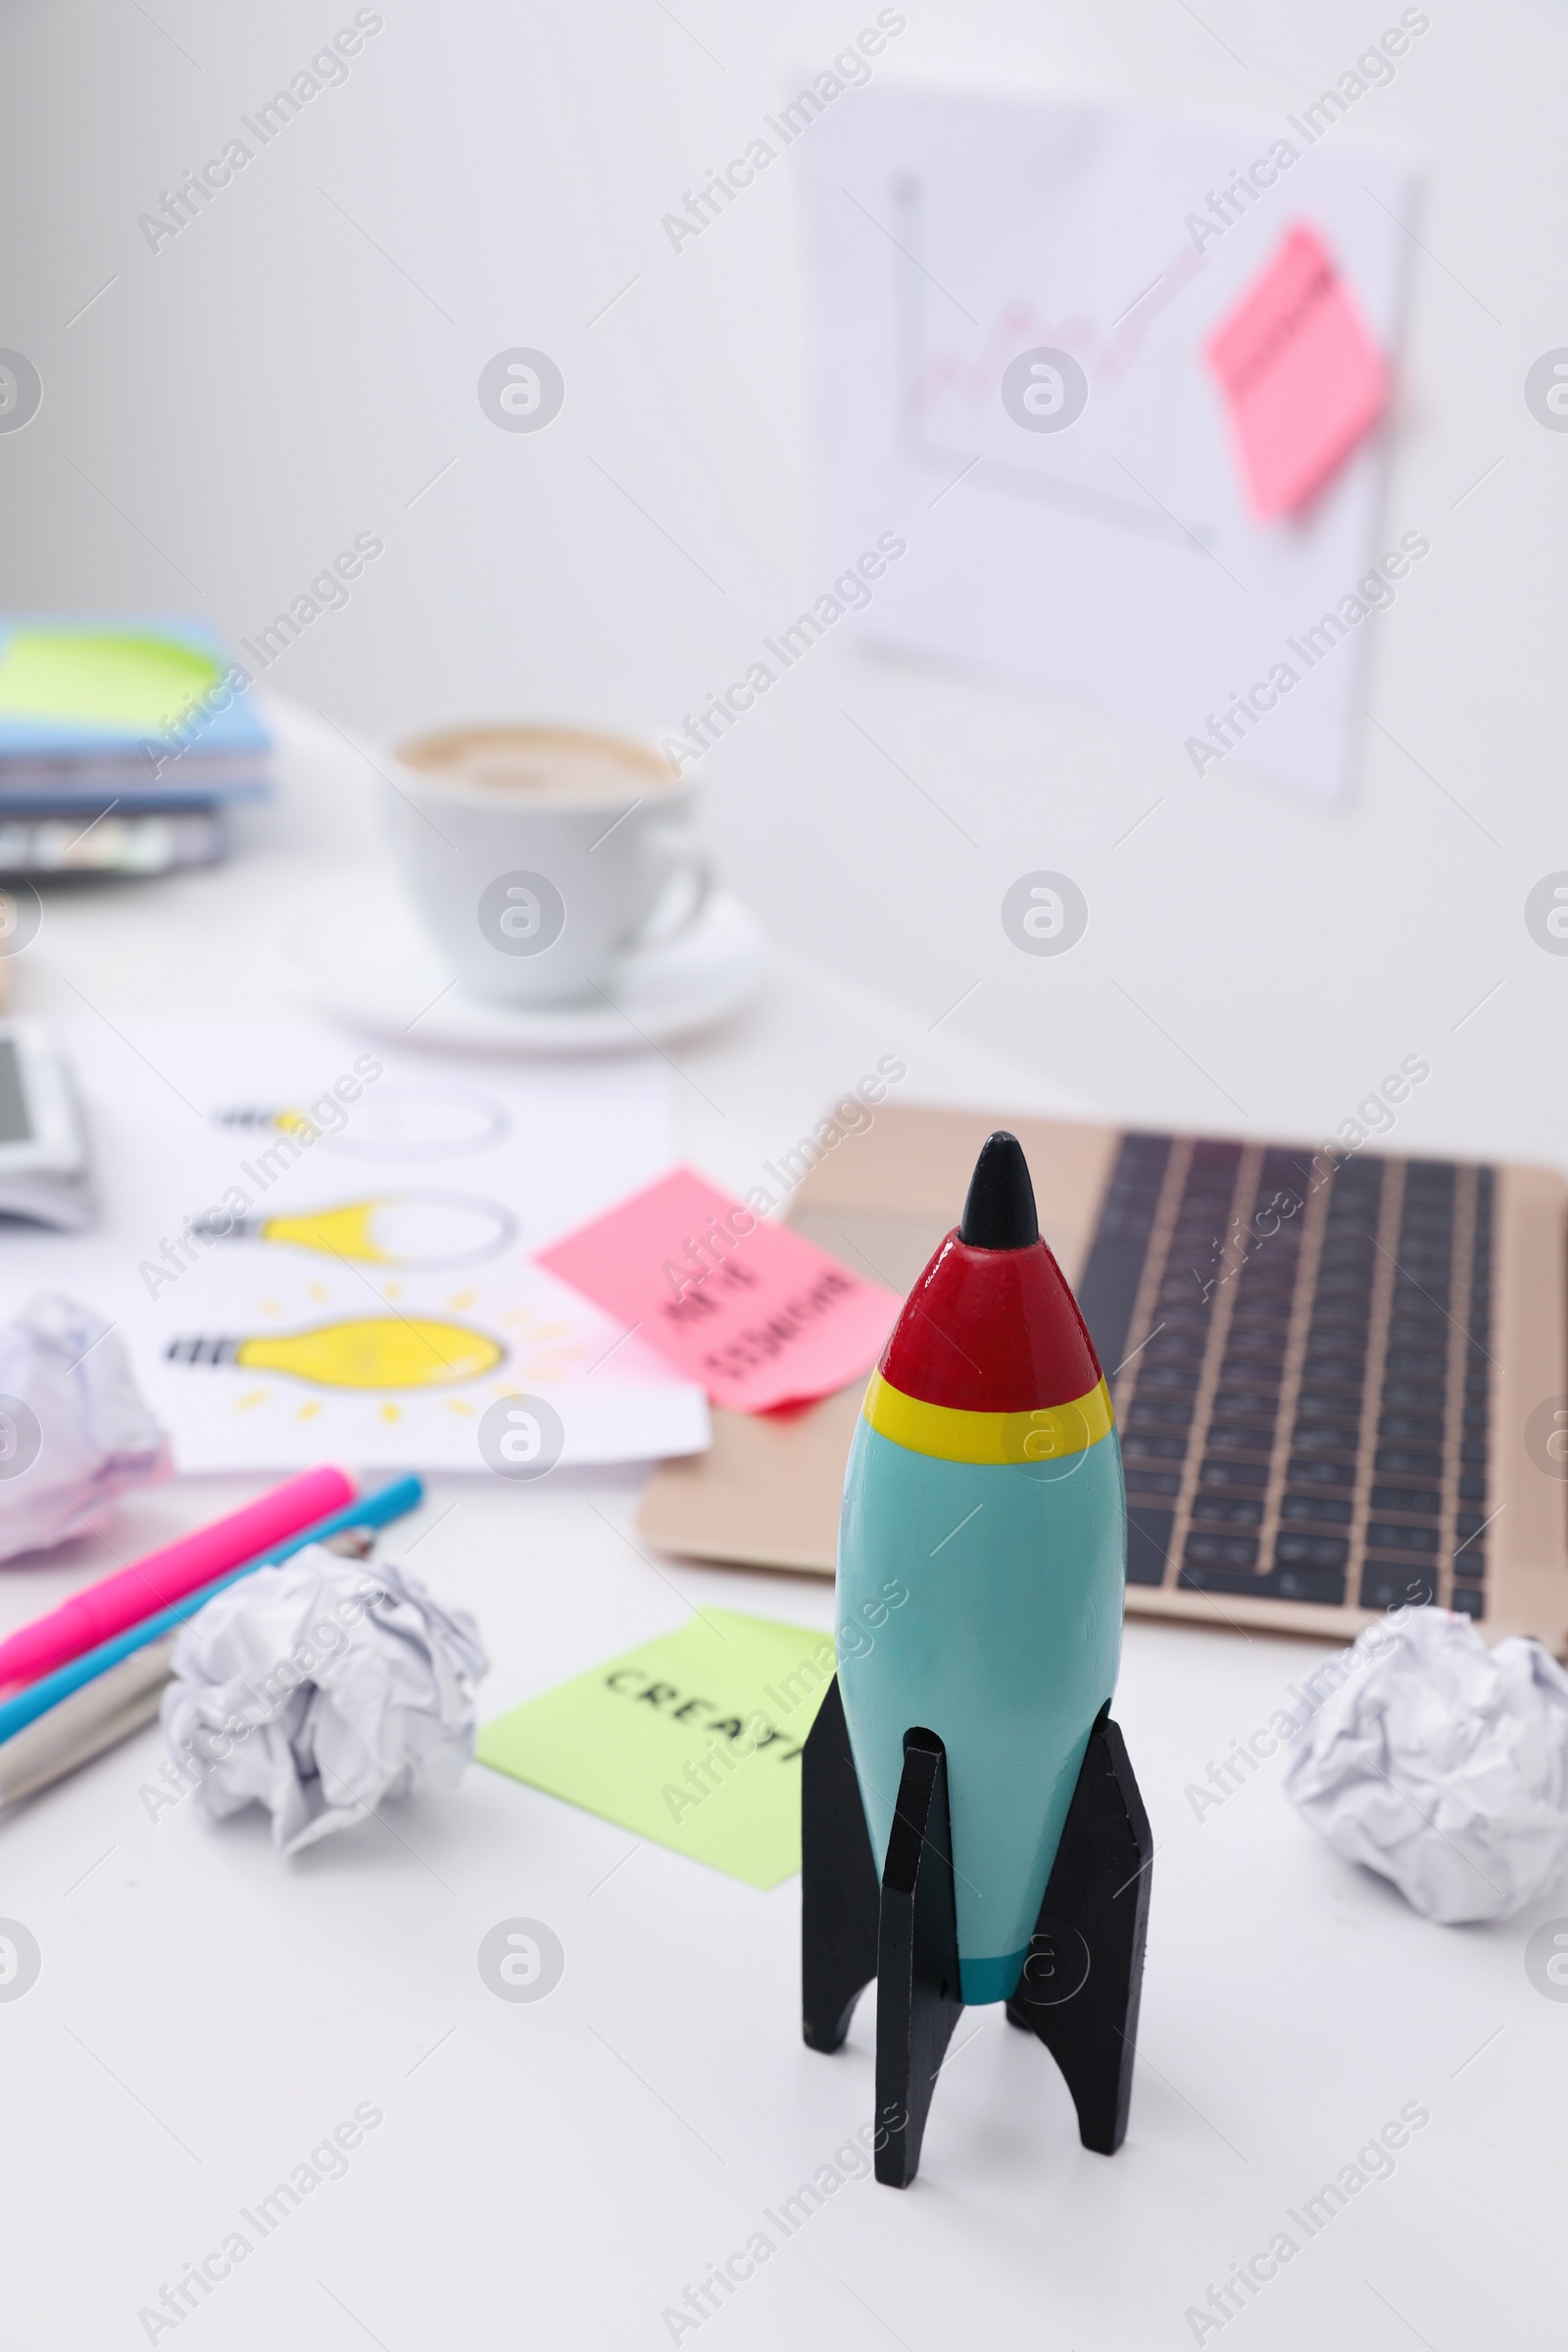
317 1248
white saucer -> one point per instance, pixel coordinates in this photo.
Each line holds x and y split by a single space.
358 952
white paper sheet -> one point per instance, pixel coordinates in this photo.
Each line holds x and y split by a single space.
459 1167
1114 561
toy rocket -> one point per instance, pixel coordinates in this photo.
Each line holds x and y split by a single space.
981 1800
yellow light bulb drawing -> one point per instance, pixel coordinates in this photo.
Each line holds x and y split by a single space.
425 1230
406 1120
362 1352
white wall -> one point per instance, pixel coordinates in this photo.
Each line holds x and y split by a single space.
239 403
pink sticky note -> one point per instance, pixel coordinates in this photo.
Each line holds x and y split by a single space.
1302 375
757 1315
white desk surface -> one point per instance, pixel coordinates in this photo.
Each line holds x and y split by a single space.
559 2172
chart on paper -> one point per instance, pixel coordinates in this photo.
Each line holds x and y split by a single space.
951 369
1087 524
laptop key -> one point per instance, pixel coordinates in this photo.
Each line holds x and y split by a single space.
1234 1474
1147 1538
1220 1551
1422 1501
1393 1535
1324 1586
1227 1510
1305 1473
1310 1551
1318 1511
1393 1586
1401 1461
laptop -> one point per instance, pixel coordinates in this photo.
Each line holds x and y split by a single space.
1341 1378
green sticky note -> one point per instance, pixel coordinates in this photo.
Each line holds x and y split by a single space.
97 678
692 1741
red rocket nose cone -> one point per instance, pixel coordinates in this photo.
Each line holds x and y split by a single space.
991 1331
991 1326
1000 1211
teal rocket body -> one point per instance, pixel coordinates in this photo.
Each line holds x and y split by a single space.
982 1600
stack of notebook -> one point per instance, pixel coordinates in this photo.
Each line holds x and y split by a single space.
122 745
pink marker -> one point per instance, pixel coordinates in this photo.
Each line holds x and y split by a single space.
132 1594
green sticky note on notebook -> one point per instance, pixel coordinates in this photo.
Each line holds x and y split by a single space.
101 678
692 1741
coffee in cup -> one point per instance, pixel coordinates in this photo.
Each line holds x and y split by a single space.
540 855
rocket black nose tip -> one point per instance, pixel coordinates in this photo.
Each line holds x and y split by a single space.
1000 1211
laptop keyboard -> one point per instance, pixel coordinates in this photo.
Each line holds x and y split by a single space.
1297 1352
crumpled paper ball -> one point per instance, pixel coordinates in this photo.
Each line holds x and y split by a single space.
1444 1765
74 1430
318 1689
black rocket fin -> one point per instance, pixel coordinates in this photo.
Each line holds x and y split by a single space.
918 1998
999 1212
1082 1978
839 1894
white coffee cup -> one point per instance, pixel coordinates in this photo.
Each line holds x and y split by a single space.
540 855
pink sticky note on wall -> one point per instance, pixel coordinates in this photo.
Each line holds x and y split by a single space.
757 1315
1301 376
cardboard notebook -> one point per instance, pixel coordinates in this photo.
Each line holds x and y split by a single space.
1340 1380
